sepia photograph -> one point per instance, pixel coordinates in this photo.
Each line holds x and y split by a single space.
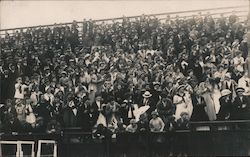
115 78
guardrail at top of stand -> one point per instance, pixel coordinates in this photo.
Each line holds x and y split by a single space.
132 17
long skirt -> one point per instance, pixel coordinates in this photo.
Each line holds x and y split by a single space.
210 106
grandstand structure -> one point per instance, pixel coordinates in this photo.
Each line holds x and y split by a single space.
202 139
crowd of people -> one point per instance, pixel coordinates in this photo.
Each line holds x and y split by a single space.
134 75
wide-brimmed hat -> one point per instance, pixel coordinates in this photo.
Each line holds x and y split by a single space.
46 68
228 75
147 94
225 92
64 72
154 113
145 64
180 87
240 89
156 83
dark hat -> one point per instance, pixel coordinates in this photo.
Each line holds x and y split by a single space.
156 83
154 113
240 89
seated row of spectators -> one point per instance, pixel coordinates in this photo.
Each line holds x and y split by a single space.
141 74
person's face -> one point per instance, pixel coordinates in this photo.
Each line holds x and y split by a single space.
185 116
240 93
181 91
12 67
6 72
49 90
42 99
19 80
246 74
134 124
191 73
220 69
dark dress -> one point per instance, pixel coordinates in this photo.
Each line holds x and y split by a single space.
199 113
225 109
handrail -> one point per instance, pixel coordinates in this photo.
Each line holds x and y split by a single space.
120 18
187 16
220 122
77 130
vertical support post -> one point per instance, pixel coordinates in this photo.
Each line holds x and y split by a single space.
18 149
55 150
33 150
39 149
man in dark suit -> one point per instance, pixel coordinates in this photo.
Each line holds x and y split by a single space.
241 105
147 101
71 113
98 109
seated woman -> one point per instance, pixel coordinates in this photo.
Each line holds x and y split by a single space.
156 124
132 127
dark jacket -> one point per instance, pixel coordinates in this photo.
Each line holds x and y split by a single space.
225 109
199 113
241 108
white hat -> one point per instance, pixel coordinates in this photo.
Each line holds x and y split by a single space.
86 56
47 87
147 94
225 92
228 75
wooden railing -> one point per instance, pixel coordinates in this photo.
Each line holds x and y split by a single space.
228 142
241 11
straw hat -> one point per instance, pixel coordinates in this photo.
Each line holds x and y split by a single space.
225 92
240 89
147 94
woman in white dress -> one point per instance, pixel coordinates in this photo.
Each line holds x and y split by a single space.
206 89
19 89
216 94
182 102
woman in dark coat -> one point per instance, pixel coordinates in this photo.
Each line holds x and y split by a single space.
226 105
199 113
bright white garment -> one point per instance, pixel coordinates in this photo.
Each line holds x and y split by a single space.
238 63
216 94
49 97
182 105
19 91
101 120
156 124
244 82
